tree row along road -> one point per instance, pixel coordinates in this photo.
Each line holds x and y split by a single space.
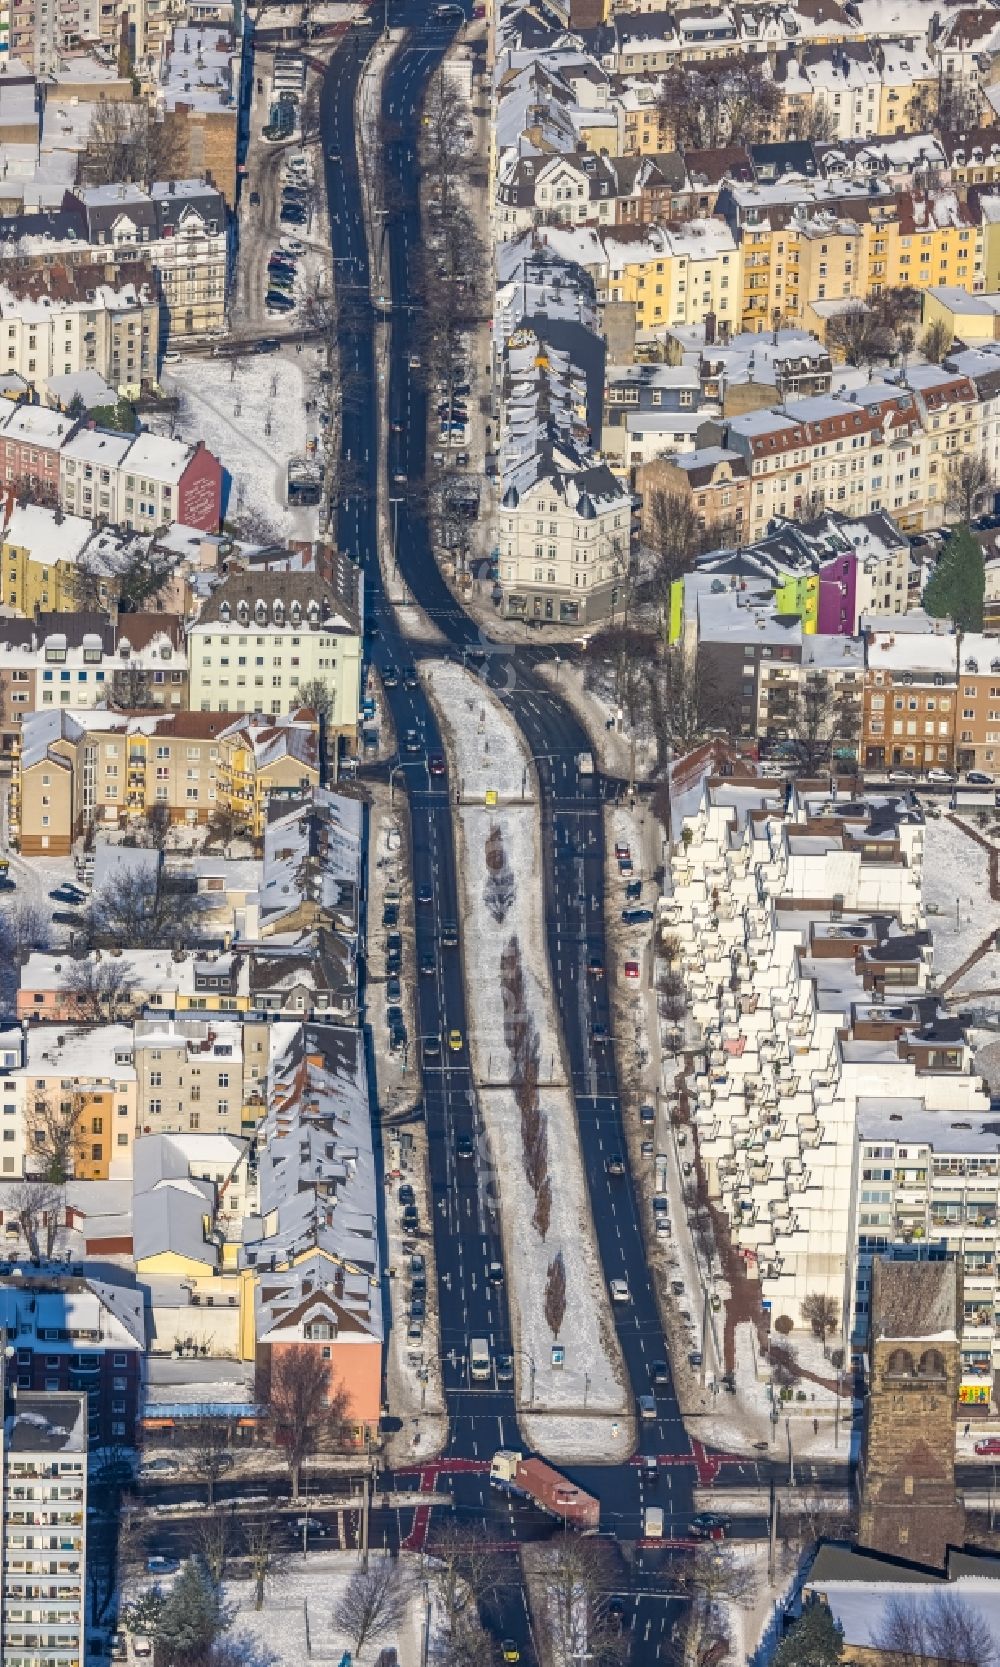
482 1419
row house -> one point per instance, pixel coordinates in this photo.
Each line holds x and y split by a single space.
179 228
81 660
261 638
144 481
65 319
77 1080
199 1075
910 701
888 446
310 1256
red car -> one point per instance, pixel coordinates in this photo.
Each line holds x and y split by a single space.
631 969
436 764
989 1447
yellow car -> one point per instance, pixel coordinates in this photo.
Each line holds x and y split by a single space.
509 1650
455 1041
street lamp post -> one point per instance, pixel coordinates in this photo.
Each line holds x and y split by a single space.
791 1460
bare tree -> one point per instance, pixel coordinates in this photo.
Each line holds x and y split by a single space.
970 480
210 1456
721 102
942 1627
785 1369
555 1293
128 141
56 1132
822 1314
145 910
814 718
860 335
463 1564
99 988
38 1207
24 926
213 1537
306 1407
223 826
260 1533
373 1603
578 1577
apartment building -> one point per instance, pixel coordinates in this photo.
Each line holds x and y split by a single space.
80 660
200 74
30 440
813 903
311 1256
74 1101
179 228
200 1076
64 319
565 536
910 700
263 637
927 1188
79 768
146 481
675 275
79 1333
43 1495
714 481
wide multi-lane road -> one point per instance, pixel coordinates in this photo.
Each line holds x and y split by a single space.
483 1418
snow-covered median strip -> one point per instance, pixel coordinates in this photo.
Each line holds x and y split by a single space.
519 1071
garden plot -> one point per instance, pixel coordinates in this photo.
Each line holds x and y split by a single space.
518 1065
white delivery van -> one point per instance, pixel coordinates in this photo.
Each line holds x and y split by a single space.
479 1358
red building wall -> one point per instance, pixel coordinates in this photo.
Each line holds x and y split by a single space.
200 492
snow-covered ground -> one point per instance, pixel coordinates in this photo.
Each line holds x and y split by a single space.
491 755
251 413
960 911
487 753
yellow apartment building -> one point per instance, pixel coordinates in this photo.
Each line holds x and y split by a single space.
677 274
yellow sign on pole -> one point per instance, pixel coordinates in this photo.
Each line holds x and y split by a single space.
492 796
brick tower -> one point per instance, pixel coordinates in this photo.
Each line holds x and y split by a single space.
909 1505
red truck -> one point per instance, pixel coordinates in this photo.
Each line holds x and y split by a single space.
535 1480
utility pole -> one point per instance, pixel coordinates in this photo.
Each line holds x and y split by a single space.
772 1533
791 1460
704 1335
365 1506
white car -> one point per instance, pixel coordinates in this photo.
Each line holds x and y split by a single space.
620 1291
942 778
906 776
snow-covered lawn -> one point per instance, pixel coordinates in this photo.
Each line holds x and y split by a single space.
230 405
486 751
490 753
957 902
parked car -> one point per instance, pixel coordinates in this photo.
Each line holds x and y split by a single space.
904 778
162 1565
941 778
647 1114
159 1467
68 893
978 778
988 1447
636 917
